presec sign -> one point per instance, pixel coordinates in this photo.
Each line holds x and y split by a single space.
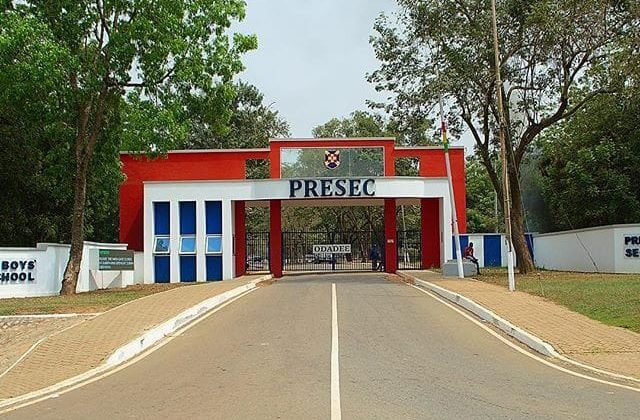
17 271
332 187
632 246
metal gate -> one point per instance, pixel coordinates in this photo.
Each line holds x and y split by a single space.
257 248
298 255
409 249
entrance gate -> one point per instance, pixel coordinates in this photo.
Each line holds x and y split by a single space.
298 255
298 250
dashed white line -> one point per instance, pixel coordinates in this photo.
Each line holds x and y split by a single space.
336 412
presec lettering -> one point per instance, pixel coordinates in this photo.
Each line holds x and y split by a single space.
330 187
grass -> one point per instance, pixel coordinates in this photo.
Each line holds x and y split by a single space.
88 302
613 299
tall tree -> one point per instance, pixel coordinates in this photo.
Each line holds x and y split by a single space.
548 51
163 56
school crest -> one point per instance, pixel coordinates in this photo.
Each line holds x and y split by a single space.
332 159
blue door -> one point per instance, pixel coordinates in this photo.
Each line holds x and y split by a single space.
492 250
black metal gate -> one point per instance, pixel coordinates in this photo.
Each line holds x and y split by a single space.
257 251
298 255
409 250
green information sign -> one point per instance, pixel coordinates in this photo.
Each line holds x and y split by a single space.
115 260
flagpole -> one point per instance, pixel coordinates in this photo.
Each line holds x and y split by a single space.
503 153
452 201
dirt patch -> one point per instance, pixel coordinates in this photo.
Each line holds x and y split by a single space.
265 283
17 335
394 278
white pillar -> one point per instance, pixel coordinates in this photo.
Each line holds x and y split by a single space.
147 242
227 239
201 258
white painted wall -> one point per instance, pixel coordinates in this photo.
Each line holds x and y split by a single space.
599 249
50 262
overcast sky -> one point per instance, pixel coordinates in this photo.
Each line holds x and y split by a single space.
312 57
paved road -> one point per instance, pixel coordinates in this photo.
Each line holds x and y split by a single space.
402 355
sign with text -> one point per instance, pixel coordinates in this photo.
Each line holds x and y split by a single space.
631 246
332 249
332 187
115 260
17 271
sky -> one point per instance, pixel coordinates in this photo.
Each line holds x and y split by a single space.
312 57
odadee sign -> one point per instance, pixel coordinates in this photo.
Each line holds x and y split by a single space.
632 246
332 187
17 271
332 249
115 260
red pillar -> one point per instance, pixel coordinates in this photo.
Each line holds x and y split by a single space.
430 226
240 237
390 236
275 238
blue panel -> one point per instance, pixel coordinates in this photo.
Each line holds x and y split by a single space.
187 218
161 218
214 267
213 210
187 268
492 250
464 241
529 238
162 272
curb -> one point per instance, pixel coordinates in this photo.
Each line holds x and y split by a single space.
157 333
142 343
519 334
510 329
47 316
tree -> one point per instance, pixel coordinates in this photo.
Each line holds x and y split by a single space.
549 50
481 198
590 165
163 57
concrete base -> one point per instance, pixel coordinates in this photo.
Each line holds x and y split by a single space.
450 268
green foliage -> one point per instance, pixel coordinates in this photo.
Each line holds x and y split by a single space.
80 81
590 165
481 199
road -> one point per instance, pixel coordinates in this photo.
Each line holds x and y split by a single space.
402 355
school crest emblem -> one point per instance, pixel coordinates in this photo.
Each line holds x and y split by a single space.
332 159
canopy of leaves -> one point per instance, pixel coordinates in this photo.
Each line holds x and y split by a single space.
590 165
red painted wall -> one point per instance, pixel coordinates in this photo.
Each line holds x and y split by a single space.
176 166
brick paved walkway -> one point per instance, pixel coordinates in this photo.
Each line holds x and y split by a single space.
573 335
87 345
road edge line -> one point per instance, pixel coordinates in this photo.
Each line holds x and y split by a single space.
507 327
126 352
336 410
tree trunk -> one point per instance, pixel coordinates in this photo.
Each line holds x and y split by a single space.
70 278
523 257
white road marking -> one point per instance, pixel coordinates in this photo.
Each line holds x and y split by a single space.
518 348
336 412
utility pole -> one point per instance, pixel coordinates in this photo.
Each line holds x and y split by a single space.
503 152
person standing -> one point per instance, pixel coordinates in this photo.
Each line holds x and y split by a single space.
374 256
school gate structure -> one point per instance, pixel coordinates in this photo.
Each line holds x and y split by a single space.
186 211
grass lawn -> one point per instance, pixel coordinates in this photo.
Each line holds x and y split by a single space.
88 302
613 299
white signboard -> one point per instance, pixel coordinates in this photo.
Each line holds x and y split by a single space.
332 249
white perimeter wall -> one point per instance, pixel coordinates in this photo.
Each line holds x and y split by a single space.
599 249
51 260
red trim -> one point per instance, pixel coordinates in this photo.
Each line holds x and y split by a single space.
390 235
430 226
240 237
275 238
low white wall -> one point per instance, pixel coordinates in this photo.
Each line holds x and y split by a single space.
48 262
598 249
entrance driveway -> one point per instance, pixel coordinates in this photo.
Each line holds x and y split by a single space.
402 355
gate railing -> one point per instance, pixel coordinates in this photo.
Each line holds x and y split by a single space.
409 249
257 251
